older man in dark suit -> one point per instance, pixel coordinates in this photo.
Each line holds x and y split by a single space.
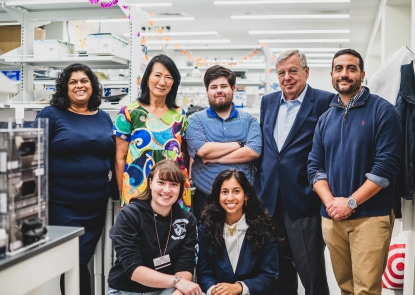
288 120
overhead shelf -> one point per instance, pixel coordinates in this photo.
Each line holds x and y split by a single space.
94 62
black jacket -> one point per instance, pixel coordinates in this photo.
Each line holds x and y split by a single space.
136 244
405 104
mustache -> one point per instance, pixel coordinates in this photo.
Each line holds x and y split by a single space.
344 80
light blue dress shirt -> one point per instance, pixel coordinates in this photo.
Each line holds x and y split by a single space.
286 116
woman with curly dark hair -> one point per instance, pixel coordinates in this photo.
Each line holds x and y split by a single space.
81 149
237 250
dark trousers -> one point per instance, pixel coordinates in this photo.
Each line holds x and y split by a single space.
300 250
84 281
198 204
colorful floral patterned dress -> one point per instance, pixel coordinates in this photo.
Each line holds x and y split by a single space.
151 139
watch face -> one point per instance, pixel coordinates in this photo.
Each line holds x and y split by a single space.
351 203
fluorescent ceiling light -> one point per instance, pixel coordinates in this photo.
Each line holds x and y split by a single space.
277 2
188 41
320 65
9 24
303 40
161 19
284 16
316 61
306 49
264 32
48 2
153 4
207 33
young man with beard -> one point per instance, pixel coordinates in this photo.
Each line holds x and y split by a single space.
352 167
220 137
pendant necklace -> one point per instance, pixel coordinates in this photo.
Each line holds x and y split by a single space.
231 229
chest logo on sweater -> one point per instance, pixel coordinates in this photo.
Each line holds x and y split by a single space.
179 227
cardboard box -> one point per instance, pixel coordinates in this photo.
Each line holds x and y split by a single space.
54 47
104 44
10 37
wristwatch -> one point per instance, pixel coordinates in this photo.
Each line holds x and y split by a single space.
241 144
175 280
351 203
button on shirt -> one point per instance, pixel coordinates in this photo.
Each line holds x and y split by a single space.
286 116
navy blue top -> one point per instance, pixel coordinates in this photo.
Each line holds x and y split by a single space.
80 147
79 151
350 148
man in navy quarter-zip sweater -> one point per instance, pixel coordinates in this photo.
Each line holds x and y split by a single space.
352 166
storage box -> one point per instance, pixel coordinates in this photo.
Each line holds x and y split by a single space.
104 44
53 47
10 37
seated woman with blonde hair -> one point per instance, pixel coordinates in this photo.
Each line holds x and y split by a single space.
237 249
155 240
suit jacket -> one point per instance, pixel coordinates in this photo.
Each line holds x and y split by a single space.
258 271
285 171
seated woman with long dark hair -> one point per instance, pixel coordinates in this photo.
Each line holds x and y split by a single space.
237 249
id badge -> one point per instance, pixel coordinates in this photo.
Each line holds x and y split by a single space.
161 261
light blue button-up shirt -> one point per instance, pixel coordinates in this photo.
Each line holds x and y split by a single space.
286 116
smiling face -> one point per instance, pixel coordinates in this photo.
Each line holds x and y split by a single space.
231 198
160 81
292 76
220 94
79 89
163 194
346 75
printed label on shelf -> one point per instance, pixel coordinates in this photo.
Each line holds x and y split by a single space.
39 171
3 203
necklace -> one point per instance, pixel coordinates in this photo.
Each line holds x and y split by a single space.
231 229
157 235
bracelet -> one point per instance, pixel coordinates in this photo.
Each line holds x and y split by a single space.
176 279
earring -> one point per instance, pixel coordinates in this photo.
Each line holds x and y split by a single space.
246 202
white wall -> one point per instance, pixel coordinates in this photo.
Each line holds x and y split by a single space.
320 78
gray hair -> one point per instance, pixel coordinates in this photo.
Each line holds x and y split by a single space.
288 53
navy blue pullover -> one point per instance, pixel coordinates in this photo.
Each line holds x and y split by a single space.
350 147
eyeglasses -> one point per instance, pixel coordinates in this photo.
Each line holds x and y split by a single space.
291 72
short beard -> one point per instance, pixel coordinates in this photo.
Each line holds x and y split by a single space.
221 107
352 88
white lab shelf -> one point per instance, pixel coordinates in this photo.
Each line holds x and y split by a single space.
95 62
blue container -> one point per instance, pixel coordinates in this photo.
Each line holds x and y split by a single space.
12 75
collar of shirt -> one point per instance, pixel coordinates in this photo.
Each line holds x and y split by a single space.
212 114
299 99
353 100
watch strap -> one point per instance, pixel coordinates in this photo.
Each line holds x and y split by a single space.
176 279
